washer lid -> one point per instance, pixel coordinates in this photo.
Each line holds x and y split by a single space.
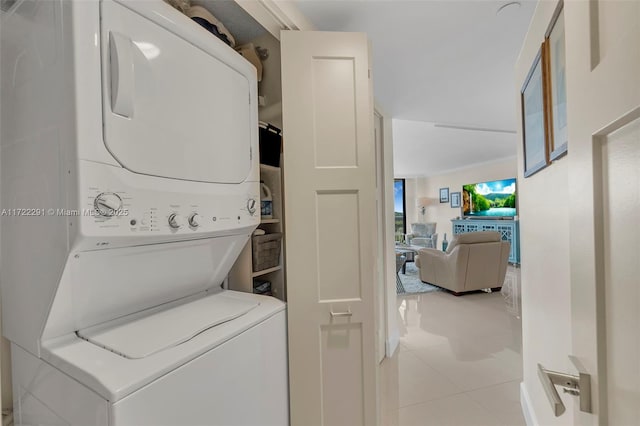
146 335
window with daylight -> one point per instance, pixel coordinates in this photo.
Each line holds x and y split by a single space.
400 208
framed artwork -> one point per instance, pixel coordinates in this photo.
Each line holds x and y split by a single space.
534 124
455 199
444 195
555 83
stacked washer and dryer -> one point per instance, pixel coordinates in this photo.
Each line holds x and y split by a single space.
129 185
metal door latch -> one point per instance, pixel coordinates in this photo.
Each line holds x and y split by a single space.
579 386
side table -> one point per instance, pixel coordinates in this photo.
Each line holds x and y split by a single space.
409 252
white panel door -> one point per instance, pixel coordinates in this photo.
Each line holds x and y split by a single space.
603 107
620 175
330 187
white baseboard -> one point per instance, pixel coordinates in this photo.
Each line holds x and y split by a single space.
527 407
391 345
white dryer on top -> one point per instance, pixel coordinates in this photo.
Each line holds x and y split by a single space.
131 134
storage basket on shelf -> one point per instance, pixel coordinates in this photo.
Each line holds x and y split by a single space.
266 251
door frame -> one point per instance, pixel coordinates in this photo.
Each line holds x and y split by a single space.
381 270
388 317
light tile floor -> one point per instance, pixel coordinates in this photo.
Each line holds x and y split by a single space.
459 361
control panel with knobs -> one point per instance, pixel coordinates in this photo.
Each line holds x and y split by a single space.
107 204
176 221
194 220
251 206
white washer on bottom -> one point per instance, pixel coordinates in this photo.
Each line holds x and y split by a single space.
219 359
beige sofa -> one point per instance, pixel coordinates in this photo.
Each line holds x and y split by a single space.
473 261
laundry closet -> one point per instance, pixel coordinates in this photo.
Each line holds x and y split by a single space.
260 267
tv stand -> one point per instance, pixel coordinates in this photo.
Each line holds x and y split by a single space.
509 231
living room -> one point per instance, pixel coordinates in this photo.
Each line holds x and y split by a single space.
425 191
442 360
431 319
447 368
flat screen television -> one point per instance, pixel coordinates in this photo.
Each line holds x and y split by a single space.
488 200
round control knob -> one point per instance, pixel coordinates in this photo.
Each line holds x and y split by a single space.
107 204
176 221
251 206
194 220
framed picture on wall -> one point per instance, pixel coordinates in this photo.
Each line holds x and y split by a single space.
534 124
555 82
455 199
444 195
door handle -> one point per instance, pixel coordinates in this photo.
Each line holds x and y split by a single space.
579 386
348 313
122 74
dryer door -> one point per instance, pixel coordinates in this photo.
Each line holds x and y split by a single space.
172 109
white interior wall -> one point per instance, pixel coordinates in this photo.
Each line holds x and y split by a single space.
442 213
544 246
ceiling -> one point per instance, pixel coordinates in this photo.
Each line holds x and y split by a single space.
444 62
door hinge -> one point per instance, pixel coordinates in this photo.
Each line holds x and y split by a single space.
250 153
369 74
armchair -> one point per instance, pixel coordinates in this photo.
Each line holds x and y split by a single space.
473 261
423 235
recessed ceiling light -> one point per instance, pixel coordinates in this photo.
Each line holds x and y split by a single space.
510 6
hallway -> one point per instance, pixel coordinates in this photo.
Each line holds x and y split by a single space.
459 361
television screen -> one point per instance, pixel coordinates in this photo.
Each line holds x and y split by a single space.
490 199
